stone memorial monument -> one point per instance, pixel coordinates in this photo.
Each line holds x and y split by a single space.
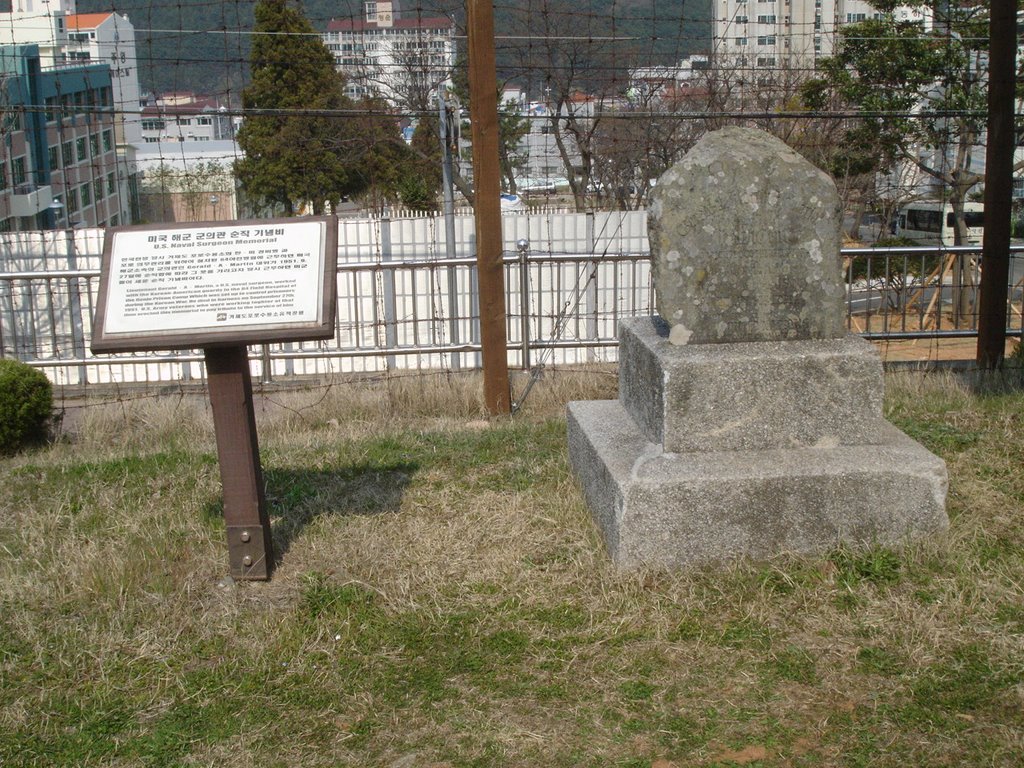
749 421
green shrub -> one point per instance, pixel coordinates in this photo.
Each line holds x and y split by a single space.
26 404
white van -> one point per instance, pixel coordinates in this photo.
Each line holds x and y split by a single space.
932 223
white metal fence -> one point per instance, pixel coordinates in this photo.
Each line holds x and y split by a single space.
407 300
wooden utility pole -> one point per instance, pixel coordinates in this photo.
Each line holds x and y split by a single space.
998 183
483 98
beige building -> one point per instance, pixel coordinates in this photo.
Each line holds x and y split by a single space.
764 35
404 59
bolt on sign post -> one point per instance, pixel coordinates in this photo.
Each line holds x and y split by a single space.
220 288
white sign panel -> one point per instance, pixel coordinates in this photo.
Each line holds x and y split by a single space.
207 278
208 282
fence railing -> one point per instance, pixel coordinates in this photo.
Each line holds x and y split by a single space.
422 313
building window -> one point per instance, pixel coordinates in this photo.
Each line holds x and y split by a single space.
81 150
108 140
111 186
94 144
152 125
54 152
741 41
854 18
86 195
97 189
51 108
203 121
766 40
766 61
18 174
113 220
3 176
741 19
766 19
72 201
7 225
66 155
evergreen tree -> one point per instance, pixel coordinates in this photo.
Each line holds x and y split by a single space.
421 181
512 126
294 153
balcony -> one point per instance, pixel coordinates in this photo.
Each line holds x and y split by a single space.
29 199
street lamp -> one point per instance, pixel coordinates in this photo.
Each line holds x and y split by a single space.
55 208
213 201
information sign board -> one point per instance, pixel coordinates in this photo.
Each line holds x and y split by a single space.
217 284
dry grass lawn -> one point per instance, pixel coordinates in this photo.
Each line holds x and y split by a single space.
443 600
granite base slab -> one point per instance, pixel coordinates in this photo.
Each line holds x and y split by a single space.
670 510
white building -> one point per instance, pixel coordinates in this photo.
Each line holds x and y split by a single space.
110 38
403 60
38 22
656 82
185 117
793 34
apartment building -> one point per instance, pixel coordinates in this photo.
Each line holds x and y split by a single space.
66 40
787 34
402 59
58 164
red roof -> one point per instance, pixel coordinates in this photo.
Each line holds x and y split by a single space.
86 20
360 25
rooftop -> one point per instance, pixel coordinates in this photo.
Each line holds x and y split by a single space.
360 25
86 20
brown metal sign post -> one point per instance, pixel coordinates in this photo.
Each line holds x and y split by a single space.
218 288
250 548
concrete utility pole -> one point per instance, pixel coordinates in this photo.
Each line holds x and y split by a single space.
483 96
998 183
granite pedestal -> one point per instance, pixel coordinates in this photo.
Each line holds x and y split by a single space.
762 474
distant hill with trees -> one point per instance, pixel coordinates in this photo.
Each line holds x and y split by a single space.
196 45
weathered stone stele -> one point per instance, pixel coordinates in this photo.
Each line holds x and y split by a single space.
745 243
749 423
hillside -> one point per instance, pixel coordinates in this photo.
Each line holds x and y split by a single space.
202 46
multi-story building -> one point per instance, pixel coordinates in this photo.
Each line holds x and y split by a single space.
787 34
66 39
402 60
110 38
177 117
38 22
58 163
653 83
